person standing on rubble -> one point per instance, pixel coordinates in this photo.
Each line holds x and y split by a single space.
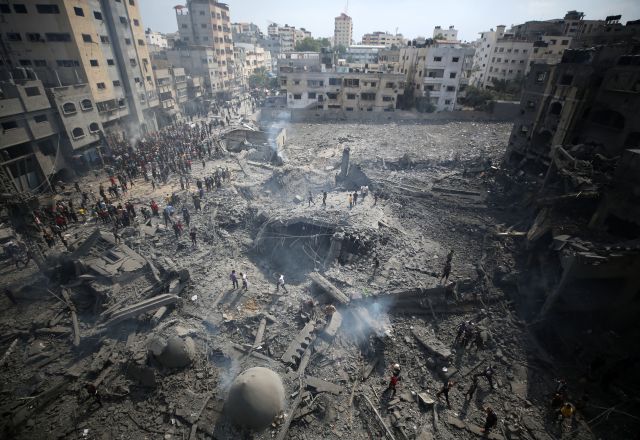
350 201
490 421
245 281
448 386
355 198
192 234
488 374
375 198
311 199
280 283
446 271
472 390
324 199
394 379
376 265
186 216
234 280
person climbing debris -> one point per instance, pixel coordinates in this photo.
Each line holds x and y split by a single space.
280 284
448 386
490 421
394 379
245 281
193 235
324 199
488 374
472 389
311 199
350 201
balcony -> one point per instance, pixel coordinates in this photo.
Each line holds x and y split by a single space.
13 136
9 107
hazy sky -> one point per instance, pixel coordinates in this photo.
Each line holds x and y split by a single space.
411 17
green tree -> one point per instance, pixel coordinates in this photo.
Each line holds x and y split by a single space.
259 79
312 44
479 99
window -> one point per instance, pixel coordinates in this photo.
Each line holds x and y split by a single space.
94 127
86 104
437 58
101 86
451 89
455 59
351 96
566 80
94 63
311 95
4 9
123 20
516 50
136 22
351 82
140 42
25 62
524 129
132 3
201 12
203 25
332 95
68 108
48 9
32 91
35 37
79 12
40 63
127 40
387 98
452 75
13 36
389 85
116 83
184 26
56 36
136 80
499 60
110 62
541 76
531 104
20 9
447 101
368 96
67 63
47 148
104 39
121 103
9 125
297 96
77 133
133 62
556 108
335 81
40 119
97 15
86 38
564 42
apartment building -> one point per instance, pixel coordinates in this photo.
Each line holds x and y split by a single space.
450 34
549 49
29 135
296 61
343 30
383 39
350 90
436 72
197 62
363 54
208 23
287 36
96 42
255 57
509 60
484 47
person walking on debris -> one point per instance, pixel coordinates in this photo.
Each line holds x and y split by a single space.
92 390
394 379
446 271
445 390
376 265
234 280
462 329
375 198
281 284
324 199
350 201
186 216
355 198
490 421
472 390
192 234
116 236
245 281
311 199
488 374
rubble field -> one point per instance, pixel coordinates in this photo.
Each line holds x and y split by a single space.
153 324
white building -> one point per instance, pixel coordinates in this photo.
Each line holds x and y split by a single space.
450 34
156 40
363 54
484 50
287 35
343 30
437 72
509 60
383 39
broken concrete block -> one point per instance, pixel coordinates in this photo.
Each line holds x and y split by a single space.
178 352
431 343
426 400
333 326
145 376
298 199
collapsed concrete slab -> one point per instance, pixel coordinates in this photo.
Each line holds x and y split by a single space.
320 284
135 309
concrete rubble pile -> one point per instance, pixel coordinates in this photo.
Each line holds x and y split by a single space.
147 336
